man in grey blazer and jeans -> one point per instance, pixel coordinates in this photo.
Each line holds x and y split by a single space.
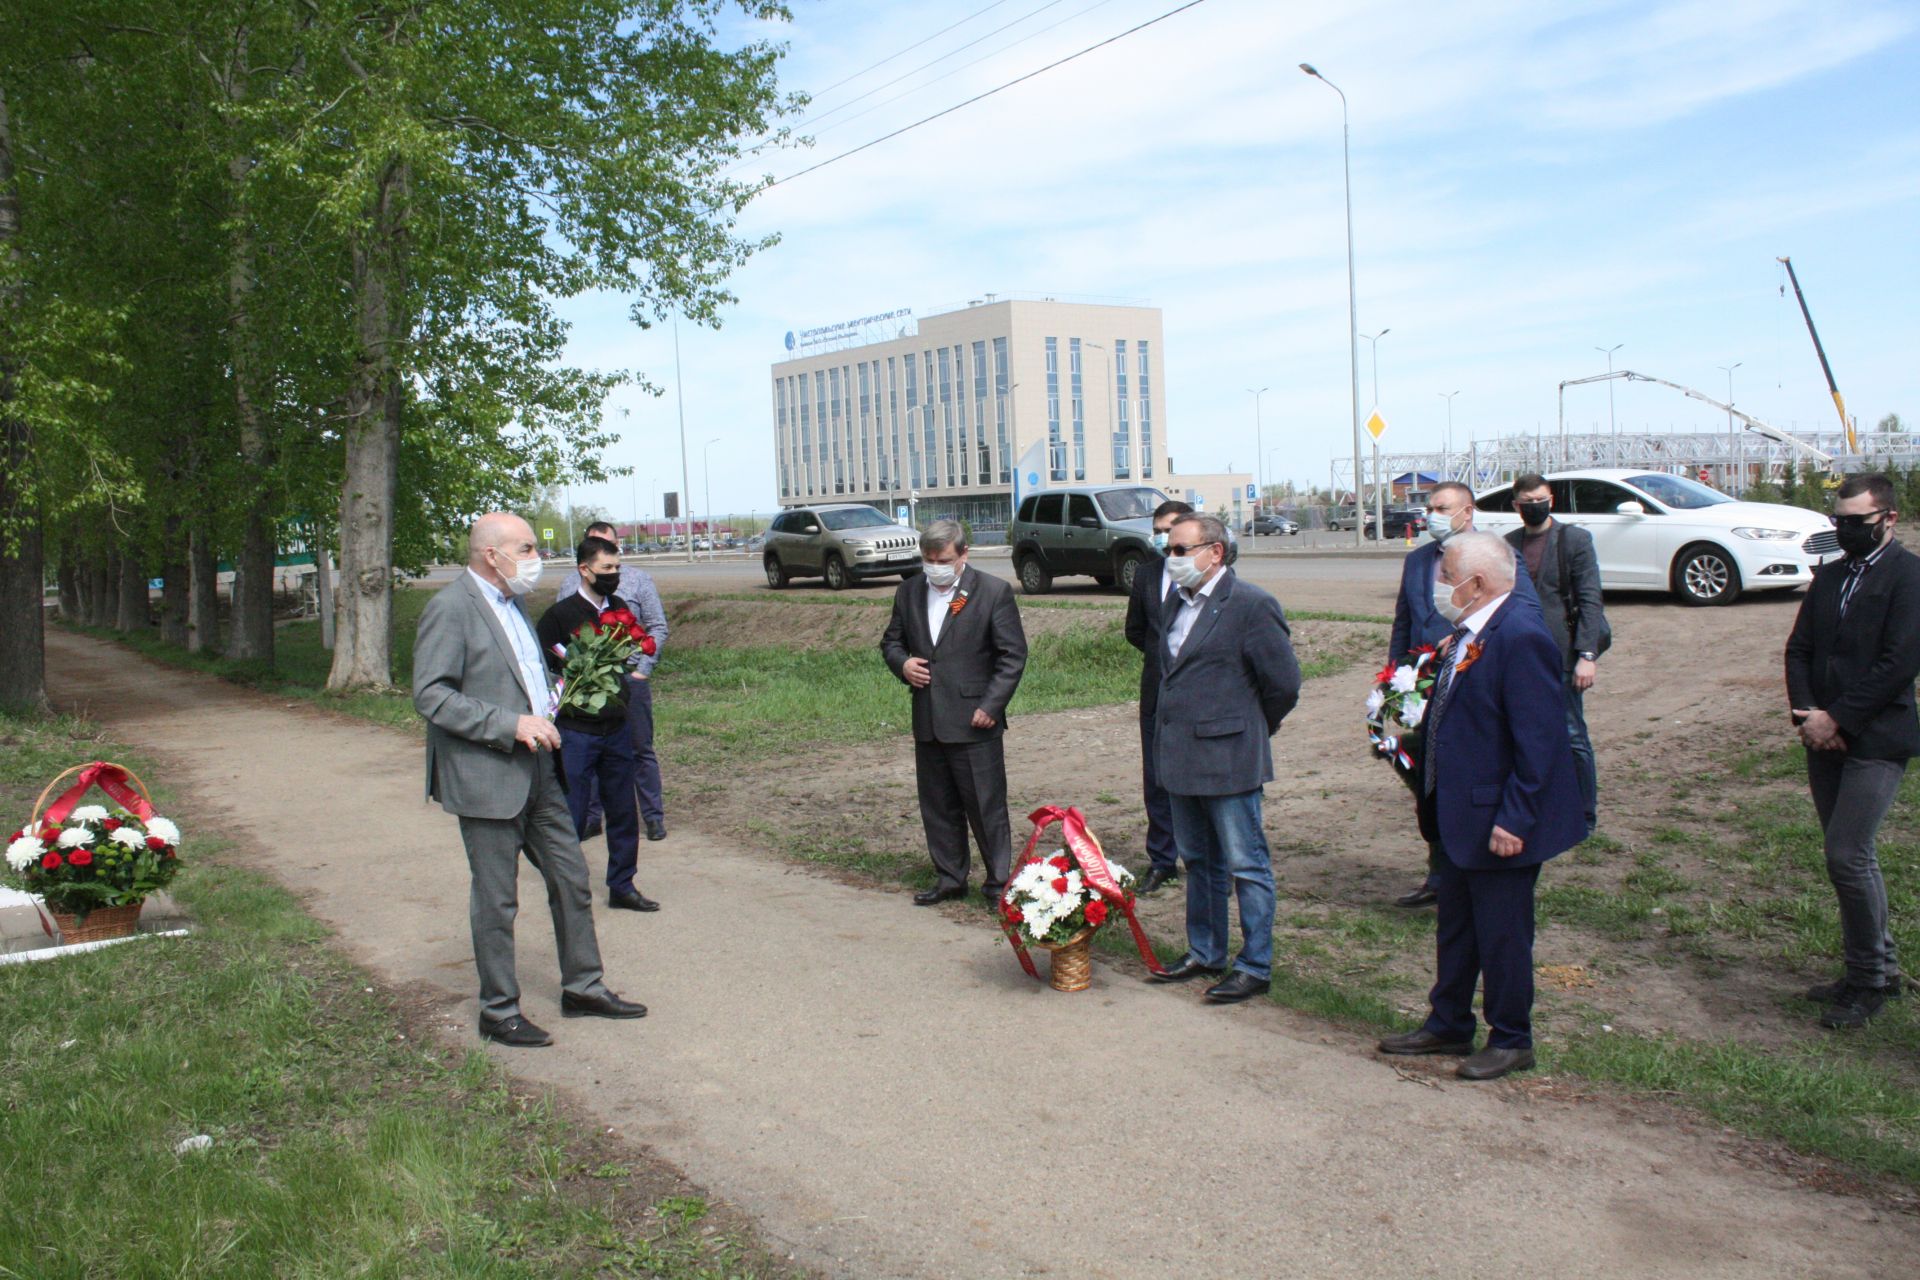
481 683
1228 678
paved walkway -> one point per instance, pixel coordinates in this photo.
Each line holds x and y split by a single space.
888 1096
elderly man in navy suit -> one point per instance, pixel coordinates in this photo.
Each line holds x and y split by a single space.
1228 677
1498 796
1417 624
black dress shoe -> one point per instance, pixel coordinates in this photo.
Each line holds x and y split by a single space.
1186 971
992 896
633 900
602 1006
1240 985
1491 1063
1831 993
515 1032
1424 1041
928 897
657 829
1424 896
1158 879
594 827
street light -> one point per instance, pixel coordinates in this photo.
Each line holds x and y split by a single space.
1259 453
1373 341
1733 445
1353 305
1612 426
706 495
1448 397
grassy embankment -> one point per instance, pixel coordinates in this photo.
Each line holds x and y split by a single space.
341 1145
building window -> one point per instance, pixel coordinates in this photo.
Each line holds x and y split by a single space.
953 473
929 429
983 459
890 455
866 426
1146 414
781 444
1079 412
1000 390
1056 448
820 418
913 403
839 425
806 434
1122 426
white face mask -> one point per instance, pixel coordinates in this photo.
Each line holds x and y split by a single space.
1444 605
1160 543
526 575
1440 527
1186 571
941 575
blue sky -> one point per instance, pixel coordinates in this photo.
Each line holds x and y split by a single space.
1530 181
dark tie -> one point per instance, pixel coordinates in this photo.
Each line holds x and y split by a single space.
1442 691
1856 570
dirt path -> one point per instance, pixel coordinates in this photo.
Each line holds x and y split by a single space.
888 1096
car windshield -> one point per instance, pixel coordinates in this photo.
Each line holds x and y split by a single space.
1130 504
1678 491
854 518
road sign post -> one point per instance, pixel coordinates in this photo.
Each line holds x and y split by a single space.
1377 427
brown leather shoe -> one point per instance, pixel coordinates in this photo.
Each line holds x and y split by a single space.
1491 1063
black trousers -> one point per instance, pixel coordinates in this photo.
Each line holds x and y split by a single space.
962 785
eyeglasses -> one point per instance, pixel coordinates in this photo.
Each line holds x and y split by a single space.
1859 521
1186 549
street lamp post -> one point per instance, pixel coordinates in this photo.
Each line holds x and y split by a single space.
680 398
706 495
1259 454
1353 305
1612 426
1448 397
1373 347
1733 439
1379 493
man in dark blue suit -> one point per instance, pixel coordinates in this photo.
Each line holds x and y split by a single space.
1144 627
1498 796
1416 623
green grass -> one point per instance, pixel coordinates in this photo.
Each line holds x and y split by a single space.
341 1147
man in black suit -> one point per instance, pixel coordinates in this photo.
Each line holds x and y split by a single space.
1144 627
955 640
1851 663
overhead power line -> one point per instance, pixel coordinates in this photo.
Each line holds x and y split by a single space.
979 97
901 53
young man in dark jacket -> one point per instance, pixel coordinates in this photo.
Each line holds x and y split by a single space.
597 744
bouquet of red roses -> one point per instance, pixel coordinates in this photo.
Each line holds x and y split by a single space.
597 661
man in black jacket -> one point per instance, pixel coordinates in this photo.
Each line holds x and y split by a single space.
1144 628
598 743
1851 663
955 640
1566 573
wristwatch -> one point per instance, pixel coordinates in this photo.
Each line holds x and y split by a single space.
1590 657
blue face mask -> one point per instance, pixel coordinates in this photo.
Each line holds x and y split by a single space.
1160 543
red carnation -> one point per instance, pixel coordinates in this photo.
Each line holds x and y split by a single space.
49 833
1096 912
1059 884
1059 862
81 857
1011 912
51 861
1384 675
156 843
111 824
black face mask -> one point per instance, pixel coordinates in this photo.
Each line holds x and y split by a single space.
1860 540
1534 513
605 584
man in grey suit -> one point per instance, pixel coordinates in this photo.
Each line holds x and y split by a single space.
1228 678
481 684
955 639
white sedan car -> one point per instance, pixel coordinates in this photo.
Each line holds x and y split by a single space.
1658 532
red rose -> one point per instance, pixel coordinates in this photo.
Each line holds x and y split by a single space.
1059 884
111 824
1096 912
156 843
649 646
51 861
81 857
1059 862
49 833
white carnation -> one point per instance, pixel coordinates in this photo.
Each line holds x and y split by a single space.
1404 678
1120 874
165 830
1411 712
89 813
129 837
25 851
74 837
1376 700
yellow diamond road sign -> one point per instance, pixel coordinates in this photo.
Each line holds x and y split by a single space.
1376 425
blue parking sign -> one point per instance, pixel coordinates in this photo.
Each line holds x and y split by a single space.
1250 493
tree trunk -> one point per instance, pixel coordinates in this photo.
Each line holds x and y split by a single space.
23 623
173 585
72 607
133 609
102 587
203 592
375 399
250 630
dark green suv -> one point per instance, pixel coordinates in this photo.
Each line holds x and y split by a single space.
1103 531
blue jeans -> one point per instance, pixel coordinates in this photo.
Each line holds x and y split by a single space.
1583 769
608 759
1225 847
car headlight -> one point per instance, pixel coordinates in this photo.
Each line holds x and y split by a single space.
1767 535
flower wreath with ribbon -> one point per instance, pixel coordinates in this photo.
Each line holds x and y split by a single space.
1090 861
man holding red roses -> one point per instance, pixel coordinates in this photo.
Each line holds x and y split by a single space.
594 742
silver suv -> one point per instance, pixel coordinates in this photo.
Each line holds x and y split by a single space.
844 542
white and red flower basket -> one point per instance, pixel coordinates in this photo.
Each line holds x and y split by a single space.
1058 901
92 867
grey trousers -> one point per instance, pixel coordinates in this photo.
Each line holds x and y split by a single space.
1852 798
544 830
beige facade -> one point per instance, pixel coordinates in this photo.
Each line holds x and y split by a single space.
976 406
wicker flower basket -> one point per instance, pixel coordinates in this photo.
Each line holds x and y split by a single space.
100 923
1072 968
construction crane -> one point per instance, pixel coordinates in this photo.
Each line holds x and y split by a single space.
1846 423
1753 424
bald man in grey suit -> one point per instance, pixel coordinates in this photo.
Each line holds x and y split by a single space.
481 683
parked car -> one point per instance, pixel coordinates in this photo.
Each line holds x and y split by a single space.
1658 532
1266 526
1344 518
844 542
1400 522
1102 531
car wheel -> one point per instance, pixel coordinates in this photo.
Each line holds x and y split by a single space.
1129 571
777 577
1034 578
837 577
1705 574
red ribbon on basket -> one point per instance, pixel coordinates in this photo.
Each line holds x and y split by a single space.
1092 861
110 778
